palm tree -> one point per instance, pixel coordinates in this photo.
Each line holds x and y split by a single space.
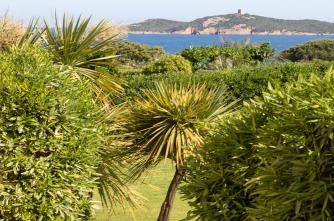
75 45
169 123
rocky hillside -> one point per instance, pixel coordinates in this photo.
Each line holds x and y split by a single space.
235 24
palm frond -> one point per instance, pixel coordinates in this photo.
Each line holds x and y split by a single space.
74 44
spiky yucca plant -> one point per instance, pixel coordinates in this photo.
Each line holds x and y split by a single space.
74 44
168 123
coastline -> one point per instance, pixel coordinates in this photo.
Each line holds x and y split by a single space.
235 33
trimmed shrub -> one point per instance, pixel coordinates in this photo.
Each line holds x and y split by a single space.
169 65
312 50
49 139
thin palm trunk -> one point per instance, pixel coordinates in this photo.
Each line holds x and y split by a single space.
167 204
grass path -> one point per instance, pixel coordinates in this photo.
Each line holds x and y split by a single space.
153 187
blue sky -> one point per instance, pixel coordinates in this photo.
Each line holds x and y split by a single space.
128 11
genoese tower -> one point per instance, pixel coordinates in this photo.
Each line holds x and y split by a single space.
240 12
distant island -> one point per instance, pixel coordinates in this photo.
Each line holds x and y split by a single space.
234 24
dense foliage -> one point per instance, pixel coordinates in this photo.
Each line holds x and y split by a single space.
168 65
243 83
272 161
294 181
137 55
217 57
48 140
217 172
312 50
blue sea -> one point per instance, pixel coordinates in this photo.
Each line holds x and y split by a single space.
175 43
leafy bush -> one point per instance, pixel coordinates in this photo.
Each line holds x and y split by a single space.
207 57
169 65
294 181
49 139
312 50
217 172
273 161
11 32
137 55
243 83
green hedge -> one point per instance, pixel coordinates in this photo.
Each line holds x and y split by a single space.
243 83
48 140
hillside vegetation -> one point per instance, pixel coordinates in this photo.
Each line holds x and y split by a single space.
254 23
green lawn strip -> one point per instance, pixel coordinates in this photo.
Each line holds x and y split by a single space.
153 187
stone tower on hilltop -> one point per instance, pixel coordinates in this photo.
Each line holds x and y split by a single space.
240 12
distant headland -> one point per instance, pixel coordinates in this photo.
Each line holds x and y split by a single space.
239 23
